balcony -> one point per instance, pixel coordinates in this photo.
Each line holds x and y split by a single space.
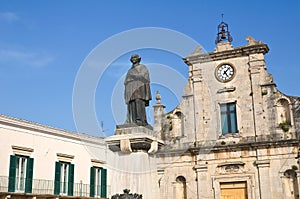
44 189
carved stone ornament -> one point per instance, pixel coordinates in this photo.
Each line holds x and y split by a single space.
231 167
127 195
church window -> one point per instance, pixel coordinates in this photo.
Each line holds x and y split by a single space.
228 118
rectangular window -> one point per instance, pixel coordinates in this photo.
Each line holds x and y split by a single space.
20 174
228 118
64 170
98 182
64 178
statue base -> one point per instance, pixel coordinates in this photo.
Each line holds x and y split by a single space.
133 160
133 129
130 125
135 138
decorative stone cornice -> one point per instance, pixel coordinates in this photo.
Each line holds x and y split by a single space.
231 163
97 163
191 148
19 150
227 54
64 157
262 163
22 148
160 171
133 142
200 168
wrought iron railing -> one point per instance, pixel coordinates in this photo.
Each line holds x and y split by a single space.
3 184
46 187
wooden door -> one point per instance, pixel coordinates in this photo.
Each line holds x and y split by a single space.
234 190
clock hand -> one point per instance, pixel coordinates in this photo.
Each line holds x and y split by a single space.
225 72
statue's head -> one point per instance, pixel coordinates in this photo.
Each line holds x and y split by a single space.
135 58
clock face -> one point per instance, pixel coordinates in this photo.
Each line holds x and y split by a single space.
225 72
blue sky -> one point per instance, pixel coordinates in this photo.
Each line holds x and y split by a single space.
43 44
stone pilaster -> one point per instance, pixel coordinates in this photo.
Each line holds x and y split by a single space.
256 68
264 178
202 186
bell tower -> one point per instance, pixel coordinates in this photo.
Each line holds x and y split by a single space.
223 33
226 85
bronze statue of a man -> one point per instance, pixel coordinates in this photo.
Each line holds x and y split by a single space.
137 92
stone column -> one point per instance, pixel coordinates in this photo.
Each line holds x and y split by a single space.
202 183
264 178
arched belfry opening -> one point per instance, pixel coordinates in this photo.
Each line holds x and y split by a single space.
223 34
180 188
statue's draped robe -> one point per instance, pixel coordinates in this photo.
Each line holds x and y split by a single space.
137 94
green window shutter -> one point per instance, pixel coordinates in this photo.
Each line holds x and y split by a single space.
12 173
71 180
103 183
29 175
57 178
92 182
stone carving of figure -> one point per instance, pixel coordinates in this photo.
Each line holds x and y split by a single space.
137 92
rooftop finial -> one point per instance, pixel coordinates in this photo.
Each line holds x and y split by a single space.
158 97
223 33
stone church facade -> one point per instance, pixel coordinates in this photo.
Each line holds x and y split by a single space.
234 134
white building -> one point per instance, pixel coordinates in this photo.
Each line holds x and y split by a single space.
39 161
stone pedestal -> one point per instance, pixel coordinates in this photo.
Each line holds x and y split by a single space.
132 160
130 138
